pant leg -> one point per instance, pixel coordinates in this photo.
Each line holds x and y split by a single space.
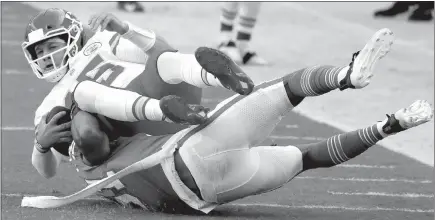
218 153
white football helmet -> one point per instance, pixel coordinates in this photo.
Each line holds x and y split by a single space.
51 23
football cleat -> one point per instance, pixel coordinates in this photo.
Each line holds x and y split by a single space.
361 68
416 114
177 110
230 75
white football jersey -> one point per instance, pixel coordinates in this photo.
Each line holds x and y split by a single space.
90 64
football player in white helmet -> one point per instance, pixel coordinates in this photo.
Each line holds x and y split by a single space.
62 50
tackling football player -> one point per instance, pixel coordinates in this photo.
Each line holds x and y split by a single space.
220 160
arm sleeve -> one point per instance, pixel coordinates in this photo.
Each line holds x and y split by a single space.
118 104
134 45
142 38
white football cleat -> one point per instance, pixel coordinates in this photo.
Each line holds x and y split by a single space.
416 114
361 68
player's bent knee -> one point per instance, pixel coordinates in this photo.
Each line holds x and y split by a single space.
294 99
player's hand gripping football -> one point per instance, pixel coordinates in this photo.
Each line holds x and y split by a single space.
109 22
178 111
49 133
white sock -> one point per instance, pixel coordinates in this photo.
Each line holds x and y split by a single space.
175 68
379 126
342 74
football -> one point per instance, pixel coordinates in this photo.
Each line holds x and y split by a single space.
57 109
60 147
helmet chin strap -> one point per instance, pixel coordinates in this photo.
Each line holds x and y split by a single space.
60 73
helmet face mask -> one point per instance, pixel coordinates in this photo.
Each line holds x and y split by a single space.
57 24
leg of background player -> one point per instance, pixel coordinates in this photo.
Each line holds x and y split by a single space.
207 67
246 23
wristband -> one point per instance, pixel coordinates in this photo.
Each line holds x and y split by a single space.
40 148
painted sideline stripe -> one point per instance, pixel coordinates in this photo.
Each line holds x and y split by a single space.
403 195
265 205
354 179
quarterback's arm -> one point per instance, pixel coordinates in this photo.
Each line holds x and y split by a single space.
130 106
135 45
116 103
142 38
46 163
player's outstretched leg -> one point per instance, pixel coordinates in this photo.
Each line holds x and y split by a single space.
318 80
341 148
264 168
230 75
249 120
361 68
206 68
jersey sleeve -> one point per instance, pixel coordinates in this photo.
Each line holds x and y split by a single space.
134 45
56 97
142 38
127 51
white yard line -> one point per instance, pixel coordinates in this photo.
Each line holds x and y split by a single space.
277 137
266 205
325 207
365 166
15 72
13 128
11 43
354 179
402 195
